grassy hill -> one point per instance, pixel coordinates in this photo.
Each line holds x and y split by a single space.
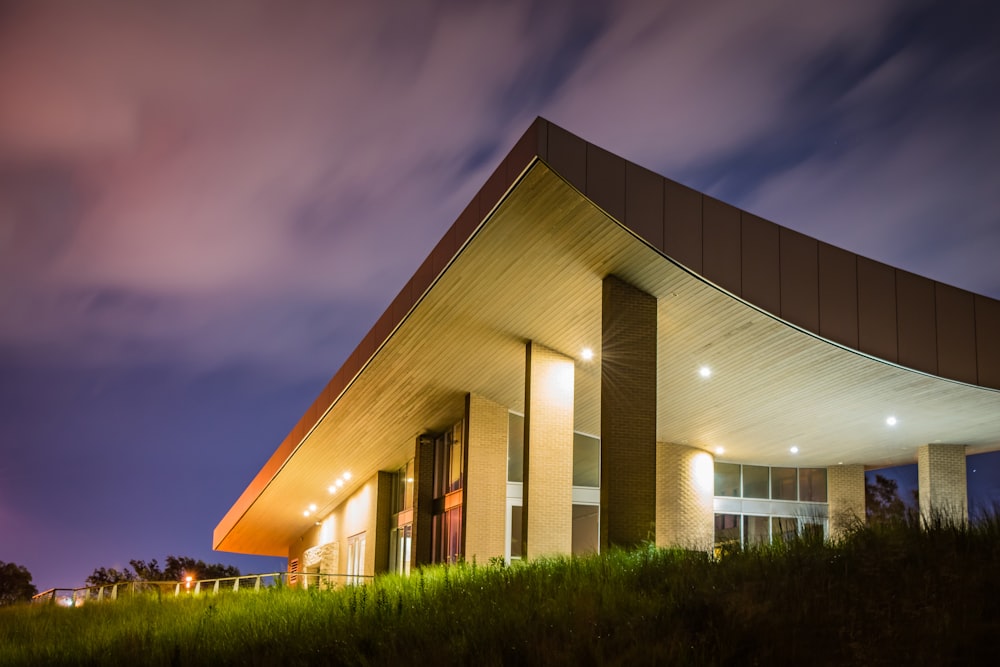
886 595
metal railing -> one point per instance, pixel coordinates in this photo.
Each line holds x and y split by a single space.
76 597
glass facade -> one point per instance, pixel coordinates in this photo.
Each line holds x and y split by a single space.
449 482
760 504
401 537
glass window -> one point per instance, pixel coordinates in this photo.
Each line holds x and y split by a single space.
455 465
400 546
812 530
755 482
448 536
783 484
403 499
586 460
812 484
727 529
355 558
755 529
515 531
784 528
586 529
727 479
515 448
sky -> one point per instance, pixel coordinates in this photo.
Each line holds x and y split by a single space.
205 205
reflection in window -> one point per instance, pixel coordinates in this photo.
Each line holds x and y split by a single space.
515 448
756 530
812 484
586 460
755 482
586 529
727 479
727 529
783 484
784 528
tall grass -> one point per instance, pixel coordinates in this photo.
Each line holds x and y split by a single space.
888 594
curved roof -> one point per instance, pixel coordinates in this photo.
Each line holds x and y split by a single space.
810 344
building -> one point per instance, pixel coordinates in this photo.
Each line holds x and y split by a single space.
595 355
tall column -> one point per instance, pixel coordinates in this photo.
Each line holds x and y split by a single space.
485 495
845 492
942 484
422 536
628 414
685 488
547 517
378 538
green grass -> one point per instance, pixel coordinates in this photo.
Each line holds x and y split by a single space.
886 595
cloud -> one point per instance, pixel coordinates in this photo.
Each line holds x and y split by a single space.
219 164
674 84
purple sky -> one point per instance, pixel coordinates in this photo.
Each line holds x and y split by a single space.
205 205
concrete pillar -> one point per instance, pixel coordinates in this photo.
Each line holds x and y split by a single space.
628 414
421 549
685 488
485 495
547 517
845 488
942 484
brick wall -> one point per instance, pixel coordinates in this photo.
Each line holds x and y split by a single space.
548 453
942 483
846 497
685 478
422 551
485 497
628 414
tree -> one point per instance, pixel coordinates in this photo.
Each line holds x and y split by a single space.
177 569
883 503
102 576
15 584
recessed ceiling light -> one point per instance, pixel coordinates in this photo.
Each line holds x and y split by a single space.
720 450
331 489
306 513
587 354
891 421
705 371
347 475
340 482
794 449
312 507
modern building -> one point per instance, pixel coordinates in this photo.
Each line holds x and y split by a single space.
595 355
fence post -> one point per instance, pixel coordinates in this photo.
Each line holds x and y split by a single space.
236 584
215 589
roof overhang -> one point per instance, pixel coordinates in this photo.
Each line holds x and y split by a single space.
533 270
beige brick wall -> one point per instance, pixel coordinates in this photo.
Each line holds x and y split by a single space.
548 453
942 483
685 480
485 496
846 497
628 414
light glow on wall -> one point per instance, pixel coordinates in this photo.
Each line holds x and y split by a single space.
703 473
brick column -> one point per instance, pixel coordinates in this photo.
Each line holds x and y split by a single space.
942 483
422 536
628 414
685 488
547 518
378 539
485 497
845 490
